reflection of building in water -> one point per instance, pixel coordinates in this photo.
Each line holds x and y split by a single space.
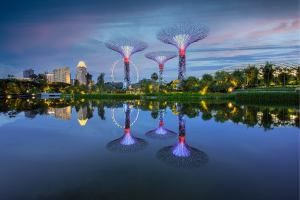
182 155
82 116
63 113
161 133
29 115
49 112
127 143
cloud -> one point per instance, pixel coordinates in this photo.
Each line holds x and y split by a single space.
7 69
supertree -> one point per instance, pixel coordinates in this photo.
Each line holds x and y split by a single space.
181 36
126 47
161 57
182 155
127 143
161 133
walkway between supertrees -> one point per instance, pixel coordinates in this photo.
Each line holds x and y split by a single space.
127 143
161 133
161 57
181 36
126 47
182 155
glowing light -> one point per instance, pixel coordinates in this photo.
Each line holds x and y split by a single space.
180 149
181 40
203 92
230 105
127 139
161 66
126 51
161 130
160 58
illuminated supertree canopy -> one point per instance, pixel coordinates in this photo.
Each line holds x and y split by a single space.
127 143
161 57
181 36
182 155
161 133
126 47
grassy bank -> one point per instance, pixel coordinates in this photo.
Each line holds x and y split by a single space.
269 98
289 89
168 96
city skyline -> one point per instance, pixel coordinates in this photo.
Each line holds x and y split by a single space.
51 35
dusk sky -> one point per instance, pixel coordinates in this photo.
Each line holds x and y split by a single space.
49 34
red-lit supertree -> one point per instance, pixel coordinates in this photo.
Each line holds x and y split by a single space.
182 155
126 47
127 143
161 133
181 36
161 57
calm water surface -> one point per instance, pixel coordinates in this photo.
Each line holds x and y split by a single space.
67 149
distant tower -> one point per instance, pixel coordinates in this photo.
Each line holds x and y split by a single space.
126 47
181 36
161 57
81 72
82 116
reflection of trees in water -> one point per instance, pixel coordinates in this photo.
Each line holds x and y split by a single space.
182 155
127 143
161 133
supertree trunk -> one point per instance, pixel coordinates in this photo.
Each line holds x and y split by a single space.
182 68
181 124
126 75
127 116
161 74
161 117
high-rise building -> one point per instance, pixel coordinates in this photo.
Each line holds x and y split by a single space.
63 113
49 76
62 74
28 72
81 72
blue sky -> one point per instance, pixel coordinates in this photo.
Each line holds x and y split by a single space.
48 34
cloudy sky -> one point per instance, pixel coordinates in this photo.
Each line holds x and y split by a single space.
48 34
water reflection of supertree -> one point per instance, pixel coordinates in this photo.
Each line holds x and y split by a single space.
127 143
126 47
161 133
161 57
182 155
181 36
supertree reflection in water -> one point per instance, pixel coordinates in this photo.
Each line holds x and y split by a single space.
182 155
161 133
127 143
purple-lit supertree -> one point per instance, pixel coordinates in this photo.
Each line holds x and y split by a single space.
126 47
182 155
127 143
161 133
161 57
181 36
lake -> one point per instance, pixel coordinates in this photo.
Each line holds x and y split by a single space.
109 149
